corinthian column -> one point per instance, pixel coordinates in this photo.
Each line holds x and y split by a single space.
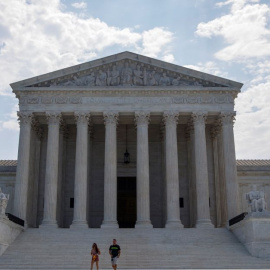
110 171
80 186
143 196
230 172
172 178
22 174
51 173
202 190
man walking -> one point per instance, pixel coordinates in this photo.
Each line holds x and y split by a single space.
114 252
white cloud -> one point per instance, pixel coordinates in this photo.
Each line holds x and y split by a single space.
80 5
155 40
209 67
245 30
10 122
37 38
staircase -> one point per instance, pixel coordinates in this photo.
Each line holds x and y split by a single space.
141 249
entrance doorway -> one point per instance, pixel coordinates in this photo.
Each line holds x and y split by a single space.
126 202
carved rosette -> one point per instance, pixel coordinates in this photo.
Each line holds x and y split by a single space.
82 118
142 118
110 117
25 118
199 117
227 118
54 118
170 117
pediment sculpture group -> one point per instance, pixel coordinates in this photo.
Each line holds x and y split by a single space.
127 76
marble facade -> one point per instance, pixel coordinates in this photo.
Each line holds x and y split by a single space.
73 125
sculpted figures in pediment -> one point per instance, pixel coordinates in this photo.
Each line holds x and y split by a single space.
164 80
113 77
101 79
90 79
152 78
138 78
126 75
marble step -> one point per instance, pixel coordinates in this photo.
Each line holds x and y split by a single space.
142 249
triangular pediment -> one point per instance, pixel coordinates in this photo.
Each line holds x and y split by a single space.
126 70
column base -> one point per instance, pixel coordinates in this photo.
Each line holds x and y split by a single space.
109 225
49 224
171 224
80 224
204 223
143 224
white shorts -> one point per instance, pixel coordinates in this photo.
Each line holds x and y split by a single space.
114 260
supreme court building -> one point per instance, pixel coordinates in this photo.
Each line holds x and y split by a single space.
126 141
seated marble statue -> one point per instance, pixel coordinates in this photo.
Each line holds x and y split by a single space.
3 202
256 200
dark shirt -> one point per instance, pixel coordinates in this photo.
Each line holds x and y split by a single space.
114 250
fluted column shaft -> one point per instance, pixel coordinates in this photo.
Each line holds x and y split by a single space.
214 134
22 174
172 177
51 173
80 186
202 190
143 189
227 119
110 171
223 197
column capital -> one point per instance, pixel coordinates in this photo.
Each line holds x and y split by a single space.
82 117
227 117
170 117
142 118
54 118
199 117
111 117
25 118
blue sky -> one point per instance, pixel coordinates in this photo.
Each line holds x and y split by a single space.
229 38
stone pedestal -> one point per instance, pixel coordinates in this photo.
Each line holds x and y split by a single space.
172 179
9 231
110 171
143 191
254 232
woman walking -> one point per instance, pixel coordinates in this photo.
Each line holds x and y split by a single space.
95 252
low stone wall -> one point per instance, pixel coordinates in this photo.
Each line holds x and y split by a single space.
9 231
254 232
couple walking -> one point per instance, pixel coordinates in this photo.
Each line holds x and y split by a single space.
114 252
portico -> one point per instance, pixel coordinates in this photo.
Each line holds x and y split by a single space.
79 136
